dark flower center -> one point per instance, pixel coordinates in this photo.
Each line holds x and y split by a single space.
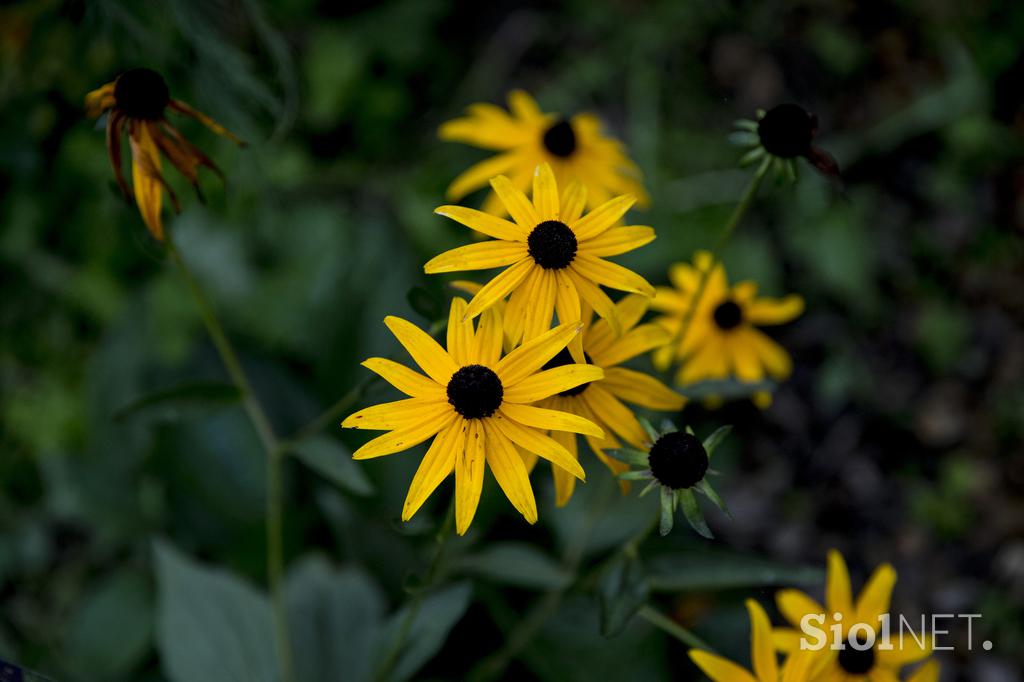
552 245
786 131
141 93
728 315
678 460
475 391
561 360
560 139
857 662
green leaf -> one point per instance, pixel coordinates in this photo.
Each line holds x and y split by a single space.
333 461
519 564
174 403
335 618
667 513
426 301
437 615
210 625
700 570
712 441
691 509
623 591
628 455
111 631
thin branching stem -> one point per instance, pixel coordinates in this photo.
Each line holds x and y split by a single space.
672 628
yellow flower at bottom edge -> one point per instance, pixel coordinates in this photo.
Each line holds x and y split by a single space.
721 339
762 654
475 403
136 101
876 664
603 401
574 147
554 256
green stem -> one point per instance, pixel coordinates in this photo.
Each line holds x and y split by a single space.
274 455
335 412
672 628
387 666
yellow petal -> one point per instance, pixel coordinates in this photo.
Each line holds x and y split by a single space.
574 200
477 175
510 471
602 217
403 439
611 275
516 203
873 600
775 359
618 240
550 420
644 338
797 667
488 338
552 381
595 298
499 287
404 379
762 653
538 314
531 356
719 669
480 256
146 178
628 311
461 339
518 301
535 442
400 414
837 586
568 309
491 225
99 100
213 126
423 349
469 476
641 389
794 605
565 484
523 106
745 362
545 193
764 311
435 466
615 415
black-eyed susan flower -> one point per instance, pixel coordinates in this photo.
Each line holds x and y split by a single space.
554 256
677 462
720 338
606 402
796 667
880 662
575 148
781 135
136 102
477 406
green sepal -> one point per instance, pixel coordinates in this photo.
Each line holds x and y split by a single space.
668 508
668 427
744 138
692 511
689 430
712 441
753 155
746 124
644 475
648 488
652 433
628 455
712 495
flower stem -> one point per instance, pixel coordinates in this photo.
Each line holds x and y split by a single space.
672 628
274 455
391 658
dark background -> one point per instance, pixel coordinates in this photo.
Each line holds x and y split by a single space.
899 437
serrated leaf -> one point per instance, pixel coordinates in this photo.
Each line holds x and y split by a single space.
701 570
211 625
628 455
692 512
333 461
712 441
623 591
519 564
437 615
175 402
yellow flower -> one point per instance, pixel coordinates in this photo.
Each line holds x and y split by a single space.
762 655
603 402
721 339
476 405
136 101
553 255
575 149
877 664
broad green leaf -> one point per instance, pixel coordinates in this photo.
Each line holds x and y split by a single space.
211 625
699 570
437 615
175 402
333 461
111 631
335 618
623 591
517 564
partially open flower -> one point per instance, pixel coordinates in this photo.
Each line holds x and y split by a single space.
136 101
677 462
781 135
